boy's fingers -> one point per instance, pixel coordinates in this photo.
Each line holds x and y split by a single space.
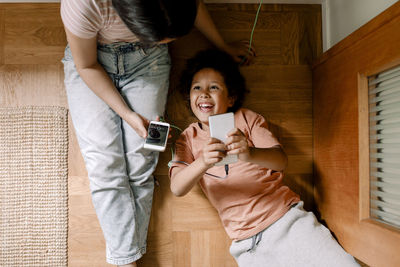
214 160
233 146
217 147
213 140
235 151
234 139
217 154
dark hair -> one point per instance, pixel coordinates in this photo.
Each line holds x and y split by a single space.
225 65
154 20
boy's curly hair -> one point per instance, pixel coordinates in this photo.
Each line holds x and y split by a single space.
223 63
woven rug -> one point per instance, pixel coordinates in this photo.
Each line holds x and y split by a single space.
33 186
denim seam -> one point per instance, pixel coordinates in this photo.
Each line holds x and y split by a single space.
128 260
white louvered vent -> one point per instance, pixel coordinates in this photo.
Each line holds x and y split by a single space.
384 136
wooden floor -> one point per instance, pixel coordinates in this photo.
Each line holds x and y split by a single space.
183 231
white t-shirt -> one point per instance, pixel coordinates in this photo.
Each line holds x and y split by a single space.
90 18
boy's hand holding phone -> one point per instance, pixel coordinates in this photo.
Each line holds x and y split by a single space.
220 125
213 152
237 144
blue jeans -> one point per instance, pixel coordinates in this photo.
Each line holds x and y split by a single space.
119 169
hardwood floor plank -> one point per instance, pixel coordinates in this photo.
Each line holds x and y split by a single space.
303 185
76 163
210 248
17 54
87 250
194 212
219 250
23 85
41 40
78 185
161 215
297 145
86 244
182 250
159 250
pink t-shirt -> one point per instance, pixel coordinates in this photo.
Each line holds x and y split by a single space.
252 197
90 18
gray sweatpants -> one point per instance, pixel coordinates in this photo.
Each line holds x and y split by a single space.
296 239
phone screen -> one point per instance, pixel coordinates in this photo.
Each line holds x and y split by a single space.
157 134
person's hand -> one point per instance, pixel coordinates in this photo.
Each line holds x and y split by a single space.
240 52
213 152
138 123
237 144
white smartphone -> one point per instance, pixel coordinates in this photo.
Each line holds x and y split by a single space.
220 125
157 136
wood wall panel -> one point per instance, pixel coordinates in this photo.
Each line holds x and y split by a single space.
290 38
268 41
367 51
186 231
243 20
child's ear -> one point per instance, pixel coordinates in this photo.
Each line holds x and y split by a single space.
231 101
